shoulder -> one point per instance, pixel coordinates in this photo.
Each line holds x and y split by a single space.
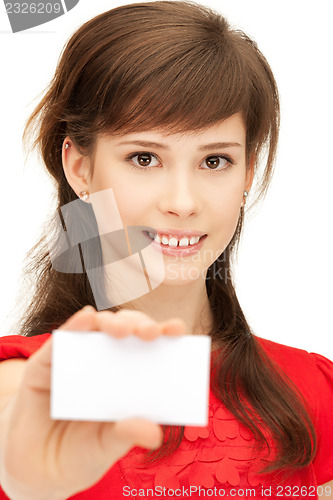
311 372
18 346
295 360
285 355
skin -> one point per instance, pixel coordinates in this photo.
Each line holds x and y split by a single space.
179 189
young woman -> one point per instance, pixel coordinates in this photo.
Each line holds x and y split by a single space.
167 105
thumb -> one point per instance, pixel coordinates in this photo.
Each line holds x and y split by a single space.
121 436
39 364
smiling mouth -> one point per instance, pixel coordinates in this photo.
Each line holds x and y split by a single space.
175 243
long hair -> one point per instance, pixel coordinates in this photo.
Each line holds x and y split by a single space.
179 66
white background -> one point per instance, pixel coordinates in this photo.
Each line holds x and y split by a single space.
284 272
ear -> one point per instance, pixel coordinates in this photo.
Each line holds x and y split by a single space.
76 167
250 173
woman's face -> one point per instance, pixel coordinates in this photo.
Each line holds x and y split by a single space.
192 182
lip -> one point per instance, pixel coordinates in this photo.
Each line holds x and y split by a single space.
180 251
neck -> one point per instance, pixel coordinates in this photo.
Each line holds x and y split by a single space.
188 302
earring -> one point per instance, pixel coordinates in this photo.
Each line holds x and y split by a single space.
66 145
84 195
244 198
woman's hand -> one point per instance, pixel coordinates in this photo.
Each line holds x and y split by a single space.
54 459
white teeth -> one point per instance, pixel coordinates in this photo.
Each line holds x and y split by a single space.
183 242
173 241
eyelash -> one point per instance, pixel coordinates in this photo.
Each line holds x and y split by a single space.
145 169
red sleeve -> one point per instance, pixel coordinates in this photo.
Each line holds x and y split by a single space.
17 346
323 463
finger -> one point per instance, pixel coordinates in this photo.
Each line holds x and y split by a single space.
38 368
84 319
143 326
174 327
39 364
140 432
116 325
148 330
126 322
120 436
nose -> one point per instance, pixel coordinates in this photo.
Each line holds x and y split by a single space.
180 193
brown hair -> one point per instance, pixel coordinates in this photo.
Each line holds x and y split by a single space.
184 60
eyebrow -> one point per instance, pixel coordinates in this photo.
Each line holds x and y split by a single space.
163 146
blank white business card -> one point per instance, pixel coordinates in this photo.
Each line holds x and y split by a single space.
97 377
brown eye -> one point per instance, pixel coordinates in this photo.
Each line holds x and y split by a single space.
215 161
144 159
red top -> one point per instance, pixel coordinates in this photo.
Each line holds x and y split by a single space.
217 460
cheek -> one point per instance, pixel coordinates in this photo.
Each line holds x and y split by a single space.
130 200
227 222
228 198
227 211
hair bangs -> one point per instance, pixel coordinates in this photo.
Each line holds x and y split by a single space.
180 91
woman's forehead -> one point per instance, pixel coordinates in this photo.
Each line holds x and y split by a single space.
231 129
